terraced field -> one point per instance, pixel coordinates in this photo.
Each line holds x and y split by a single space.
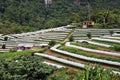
80 34
36 38
75 55
91 53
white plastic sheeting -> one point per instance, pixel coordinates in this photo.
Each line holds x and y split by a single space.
84 57
110 40
62 60
115 34
111 37
93 50
56 65
95 43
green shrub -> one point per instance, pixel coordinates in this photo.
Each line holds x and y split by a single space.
71 38
89 35
111 32
5 38
14 49
116 47
25 68
52 43
3 46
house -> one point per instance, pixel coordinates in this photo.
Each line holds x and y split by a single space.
88 24
48 3
25 46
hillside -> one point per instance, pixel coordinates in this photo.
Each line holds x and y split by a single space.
28 15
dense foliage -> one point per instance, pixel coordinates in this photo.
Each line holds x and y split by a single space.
97 73
31 68
18 16
25 68
52 43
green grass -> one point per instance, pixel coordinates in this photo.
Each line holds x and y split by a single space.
85 45
11 55
76 51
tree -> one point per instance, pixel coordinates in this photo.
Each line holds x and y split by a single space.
89 35
3 46
111 32
5 38
71 38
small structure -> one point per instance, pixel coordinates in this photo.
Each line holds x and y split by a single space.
88 24
48 3
26 46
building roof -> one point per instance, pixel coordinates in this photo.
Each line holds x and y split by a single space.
25 45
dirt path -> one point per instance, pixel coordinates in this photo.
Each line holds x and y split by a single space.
68 36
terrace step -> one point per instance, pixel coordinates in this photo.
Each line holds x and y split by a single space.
84 57
93 50
62 60
75 64
109 40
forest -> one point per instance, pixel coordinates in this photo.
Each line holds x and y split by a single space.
18 16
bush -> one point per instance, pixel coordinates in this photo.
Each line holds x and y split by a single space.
5 38
116 47
25 68
89 35
14 49
111 32
3 46
52 43
71 38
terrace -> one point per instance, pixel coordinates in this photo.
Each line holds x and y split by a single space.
81 33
